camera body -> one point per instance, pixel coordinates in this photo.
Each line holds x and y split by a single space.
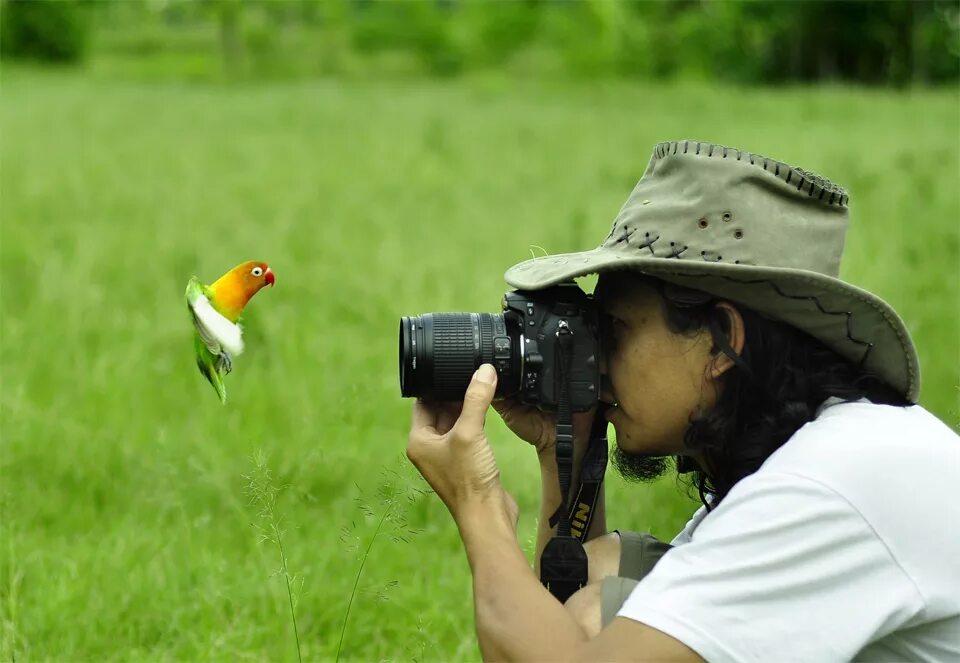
440 351
540 314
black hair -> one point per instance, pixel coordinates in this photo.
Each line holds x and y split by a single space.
777 383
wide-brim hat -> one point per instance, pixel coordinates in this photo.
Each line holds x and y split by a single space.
753 231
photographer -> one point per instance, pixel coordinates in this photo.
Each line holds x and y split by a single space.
828 526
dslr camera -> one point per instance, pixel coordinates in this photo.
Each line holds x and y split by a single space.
545 347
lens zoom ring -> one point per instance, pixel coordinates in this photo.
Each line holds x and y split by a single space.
453 353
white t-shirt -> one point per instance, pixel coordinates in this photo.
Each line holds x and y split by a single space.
844 545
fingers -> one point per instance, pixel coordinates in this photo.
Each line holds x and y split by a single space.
512 406
447 414
504 402
424 418
476 401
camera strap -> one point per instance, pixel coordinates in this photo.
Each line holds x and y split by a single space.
563 564
593 468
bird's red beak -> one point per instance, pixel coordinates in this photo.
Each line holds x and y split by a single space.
269 277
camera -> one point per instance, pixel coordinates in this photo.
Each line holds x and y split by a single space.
544 340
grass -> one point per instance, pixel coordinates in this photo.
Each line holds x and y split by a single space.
125 525
263 496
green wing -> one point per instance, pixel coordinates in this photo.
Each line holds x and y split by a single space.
196 290
206 347
208 365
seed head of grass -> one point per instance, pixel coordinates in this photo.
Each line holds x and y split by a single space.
263 497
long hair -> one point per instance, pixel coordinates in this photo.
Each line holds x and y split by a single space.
779 379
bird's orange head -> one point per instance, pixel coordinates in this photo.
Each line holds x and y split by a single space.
234 289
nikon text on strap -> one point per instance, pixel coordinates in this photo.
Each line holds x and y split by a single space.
592 470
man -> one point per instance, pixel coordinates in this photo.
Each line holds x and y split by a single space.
829 526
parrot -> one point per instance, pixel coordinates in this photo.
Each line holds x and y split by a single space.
215 310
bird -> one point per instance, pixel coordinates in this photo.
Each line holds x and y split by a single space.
215 310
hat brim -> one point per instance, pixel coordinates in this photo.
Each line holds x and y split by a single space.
853 322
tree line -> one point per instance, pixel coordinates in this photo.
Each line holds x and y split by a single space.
894 42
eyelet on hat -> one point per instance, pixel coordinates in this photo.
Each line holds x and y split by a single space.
738 234
702 222
727 216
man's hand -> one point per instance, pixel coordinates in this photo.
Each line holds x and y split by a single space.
540 428
528 423
449 447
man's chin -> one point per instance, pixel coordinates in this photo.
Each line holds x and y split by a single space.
639 467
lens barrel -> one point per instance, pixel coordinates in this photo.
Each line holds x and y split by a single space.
440 351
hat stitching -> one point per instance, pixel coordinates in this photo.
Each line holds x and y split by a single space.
812 298
648 244
839 196
627 234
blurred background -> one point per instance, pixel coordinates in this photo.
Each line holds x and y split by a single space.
386 159
896 43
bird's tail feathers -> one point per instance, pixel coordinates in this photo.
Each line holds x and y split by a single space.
215 379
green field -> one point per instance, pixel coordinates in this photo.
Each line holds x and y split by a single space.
127 529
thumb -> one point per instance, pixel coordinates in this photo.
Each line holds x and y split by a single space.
476 401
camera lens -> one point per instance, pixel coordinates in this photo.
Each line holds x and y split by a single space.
440 351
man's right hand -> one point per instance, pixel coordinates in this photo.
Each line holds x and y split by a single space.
539 428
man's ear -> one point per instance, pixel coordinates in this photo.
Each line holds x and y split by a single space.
721 362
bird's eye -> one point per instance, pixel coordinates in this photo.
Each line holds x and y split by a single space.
257 271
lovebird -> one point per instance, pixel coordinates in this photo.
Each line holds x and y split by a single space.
215 310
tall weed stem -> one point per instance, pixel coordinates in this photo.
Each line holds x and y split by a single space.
356 581
263 495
